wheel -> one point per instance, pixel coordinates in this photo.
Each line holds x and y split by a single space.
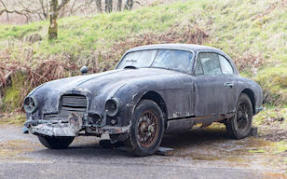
240 125
147 128
56 142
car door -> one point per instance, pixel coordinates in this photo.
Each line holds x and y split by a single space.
212 87
230 84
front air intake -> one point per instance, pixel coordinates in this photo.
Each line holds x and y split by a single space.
74 103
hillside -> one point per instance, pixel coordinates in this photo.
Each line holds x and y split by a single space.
253 33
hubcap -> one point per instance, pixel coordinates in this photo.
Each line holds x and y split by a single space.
147 129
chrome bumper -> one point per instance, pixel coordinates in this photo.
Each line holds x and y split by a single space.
69 128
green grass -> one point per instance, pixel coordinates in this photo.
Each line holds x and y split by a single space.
18 32
280 147
232 25
274 82
13 93
256 151
271 114
15 119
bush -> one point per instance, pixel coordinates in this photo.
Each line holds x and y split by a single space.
273 80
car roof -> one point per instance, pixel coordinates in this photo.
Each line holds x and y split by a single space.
190 47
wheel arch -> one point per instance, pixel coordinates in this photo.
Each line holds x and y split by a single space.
156 97
251 96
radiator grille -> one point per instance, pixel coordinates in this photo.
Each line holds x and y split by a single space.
74 103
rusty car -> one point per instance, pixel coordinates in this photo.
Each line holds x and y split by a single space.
153 89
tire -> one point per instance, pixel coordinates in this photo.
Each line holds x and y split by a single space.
147 128
239 126
55 142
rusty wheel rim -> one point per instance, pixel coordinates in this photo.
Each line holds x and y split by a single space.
147 129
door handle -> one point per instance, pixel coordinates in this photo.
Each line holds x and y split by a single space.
228 84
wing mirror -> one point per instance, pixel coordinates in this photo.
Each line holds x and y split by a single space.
84 70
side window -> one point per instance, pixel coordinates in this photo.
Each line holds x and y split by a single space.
210 63
225 65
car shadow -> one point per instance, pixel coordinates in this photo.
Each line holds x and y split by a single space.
90 148
195 137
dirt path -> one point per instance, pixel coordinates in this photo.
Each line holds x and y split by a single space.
199 154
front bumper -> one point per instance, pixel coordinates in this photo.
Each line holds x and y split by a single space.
74 126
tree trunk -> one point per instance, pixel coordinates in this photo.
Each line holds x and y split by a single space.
53 27
120 2
108 6
99 5
129 4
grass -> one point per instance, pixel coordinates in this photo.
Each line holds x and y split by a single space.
12 149
235 26
256 151
13 118
271 114
274 81
13 93
280 147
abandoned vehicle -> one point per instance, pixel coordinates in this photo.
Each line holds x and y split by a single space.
154 89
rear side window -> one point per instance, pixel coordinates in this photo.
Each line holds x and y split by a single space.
225 65
210 63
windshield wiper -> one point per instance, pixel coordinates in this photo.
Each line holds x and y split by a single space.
130 67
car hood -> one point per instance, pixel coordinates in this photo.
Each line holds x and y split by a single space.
100 84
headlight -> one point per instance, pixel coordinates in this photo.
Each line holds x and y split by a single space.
112 107
30 104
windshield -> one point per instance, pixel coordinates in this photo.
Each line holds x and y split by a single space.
178 60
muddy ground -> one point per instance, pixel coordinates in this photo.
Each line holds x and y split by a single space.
201 153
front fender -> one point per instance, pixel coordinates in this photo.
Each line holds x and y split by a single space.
245 85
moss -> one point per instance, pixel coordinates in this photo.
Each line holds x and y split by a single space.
280 147
13 94
273 80
12 149
13 118
256 151
272 114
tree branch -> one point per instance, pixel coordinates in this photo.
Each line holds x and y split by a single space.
44 12
64 2
24 12
3 4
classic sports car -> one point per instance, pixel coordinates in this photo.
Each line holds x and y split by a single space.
153 89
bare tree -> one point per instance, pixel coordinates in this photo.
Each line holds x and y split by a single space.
108 6
54 12
25 12
99 5
129 4
119 7
44 9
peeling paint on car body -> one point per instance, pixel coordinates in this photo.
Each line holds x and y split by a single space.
178 94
